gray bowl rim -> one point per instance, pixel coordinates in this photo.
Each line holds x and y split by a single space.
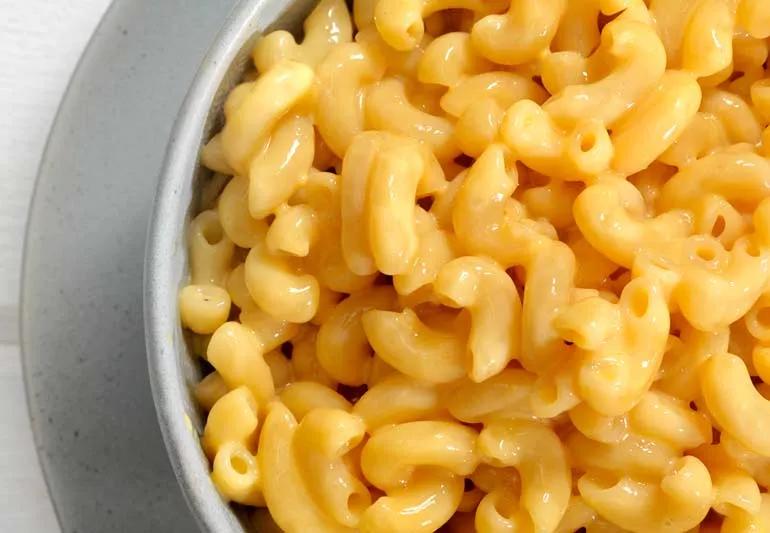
165 261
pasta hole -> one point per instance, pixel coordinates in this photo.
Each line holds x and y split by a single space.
505 507
587 141
239 464
718 228
603 481
357 503
415 30
548 394
213 234
763 317
468 485
706 253
572 336
639 303
608 373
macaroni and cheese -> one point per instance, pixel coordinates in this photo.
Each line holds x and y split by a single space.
493 266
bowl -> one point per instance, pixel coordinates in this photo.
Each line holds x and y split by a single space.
173 369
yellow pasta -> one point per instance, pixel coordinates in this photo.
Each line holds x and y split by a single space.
368 186
579 153
270 331
754 16
281 165
729 405
656 123
678 502
412 348
449 59
234 215
483 288
233 419
706 45
611 216
235 473
423 505
327 26
343 78
211 250
392 454
639 62
398 399
235 352
290 502
738 119
540 458
389 109
289 294
504 396
209 390
704 134
492 266
251 121
203 308
323 438
520 34
435 248
547 292
302 397
342 348
401 22
487 220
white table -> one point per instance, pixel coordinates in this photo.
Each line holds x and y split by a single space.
41 41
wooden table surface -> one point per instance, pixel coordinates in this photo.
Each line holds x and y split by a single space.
41 41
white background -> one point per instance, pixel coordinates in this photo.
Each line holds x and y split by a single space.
40 43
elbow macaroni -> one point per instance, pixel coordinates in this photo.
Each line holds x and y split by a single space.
519 35
327 26
491 265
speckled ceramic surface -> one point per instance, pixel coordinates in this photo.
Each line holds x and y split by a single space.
173 371
84 351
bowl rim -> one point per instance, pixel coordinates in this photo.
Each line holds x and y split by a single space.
165 260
